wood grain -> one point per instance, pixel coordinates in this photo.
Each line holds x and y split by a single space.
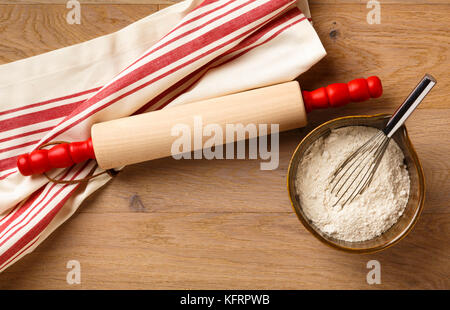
218 250
28 30
226 224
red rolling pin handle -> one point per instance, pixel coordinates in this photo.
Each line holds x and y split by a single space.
339 94
67 154
60 156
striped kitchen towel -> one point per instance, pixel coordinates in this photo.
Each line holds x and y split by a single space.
190 51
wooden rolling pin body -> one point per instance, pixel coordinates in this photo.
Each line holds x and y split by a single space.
149 136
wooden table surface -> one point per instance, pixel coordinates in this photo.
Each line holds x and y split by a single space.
202 224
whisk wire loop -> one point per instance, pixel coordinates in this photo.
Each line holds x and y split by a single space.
360 162
344 166
370 172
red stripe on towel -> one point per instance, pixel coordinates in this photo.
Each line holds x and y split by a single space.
38 104
38 116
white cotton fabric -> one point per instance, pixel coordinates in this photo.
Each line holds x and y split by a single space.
94 63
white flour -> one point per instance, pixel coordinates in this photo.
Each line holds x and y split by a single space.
369 214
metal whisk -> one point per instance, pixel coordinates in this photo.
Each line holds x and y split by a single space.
360 167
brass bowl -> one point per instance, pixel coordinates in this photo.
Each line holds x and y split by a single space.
417 188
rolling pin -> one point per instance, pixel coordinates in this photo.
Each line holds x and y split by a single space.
148 136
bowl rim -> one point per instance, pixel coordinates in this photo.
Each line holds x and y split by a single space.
388 243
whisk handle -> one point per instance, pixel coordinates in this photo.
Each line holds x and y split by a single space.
409 105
